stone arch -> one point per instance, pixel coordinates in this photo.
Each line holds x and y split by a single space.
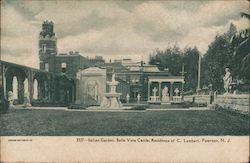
42 85
18 74
64 90
92 91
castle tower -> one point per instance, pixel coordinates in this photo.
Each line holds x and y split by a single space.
47 47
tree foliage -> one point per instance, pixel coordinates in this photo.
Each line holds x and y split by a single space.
227 50
172 59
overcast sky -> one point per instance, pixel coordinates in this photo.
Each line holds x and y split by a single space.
115 29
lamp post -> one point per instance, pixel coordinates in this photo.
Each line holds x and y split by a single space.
199 75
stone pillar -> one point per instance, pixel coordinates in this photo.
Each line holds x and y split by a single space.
171 91
40 89
4 87
149 83
46 90
159 90
77 100
30 85
4 83
20 89
182 91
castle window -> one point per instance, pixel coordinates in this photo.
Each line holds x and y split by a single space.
44 48
63 66
46 67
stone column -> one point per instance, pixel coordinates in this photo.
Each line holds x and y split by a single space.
4 87
159 90
4 83
20 88
30 85
77 100
149 83
40 89
182 91
171 90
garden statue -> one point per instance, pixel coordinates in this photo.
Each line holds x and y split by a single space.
176 91
138 98
10 99
26 100
154 94
127 98
227 80
164 93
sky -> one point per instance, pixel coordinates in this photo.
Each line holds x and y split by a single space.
115 29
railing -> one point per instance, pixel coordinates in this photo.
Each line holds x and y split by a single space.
154 99
177 99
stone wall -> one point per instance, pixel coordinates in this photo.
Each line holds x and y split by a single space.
198 98
239 103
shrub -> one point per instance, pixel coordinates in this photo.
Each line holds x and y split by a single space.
76 107
142 107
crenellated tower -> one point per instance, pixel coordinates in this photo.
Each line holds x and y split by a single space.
47 47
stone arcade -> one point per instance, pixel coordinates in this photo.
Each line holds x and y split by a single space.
65 79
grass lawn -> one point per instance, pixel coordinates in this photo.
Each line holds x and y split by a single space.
149 123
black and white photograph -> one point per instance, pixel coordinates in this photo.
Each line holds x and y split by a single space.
125 68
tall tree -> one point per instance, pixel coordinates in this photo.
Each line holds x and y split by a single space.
190 60
173 58
218 57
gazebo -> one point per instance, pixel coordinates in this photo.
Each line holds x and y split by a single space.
165 89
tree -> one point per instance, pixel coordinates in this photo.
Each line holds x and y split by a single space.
170 59
216 59
173 58
190 60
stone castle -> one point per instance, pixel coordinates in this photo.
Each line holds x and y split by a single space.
52 61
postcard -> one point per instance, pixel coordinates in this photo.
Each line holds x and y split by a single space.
124 81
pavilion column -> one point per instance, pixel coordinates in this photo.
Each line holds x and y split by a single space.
171 90
4 83
160 90
149 83
20 89
78 89
5 91
30 85
182 91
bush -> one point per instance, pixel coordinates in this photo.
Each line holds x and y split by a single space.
142 107
77 107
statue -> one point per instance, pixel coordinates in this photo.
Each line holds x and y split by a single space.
176 91
138 98
227 80
154 91
164 93
10 99
154 94
26 100
127 98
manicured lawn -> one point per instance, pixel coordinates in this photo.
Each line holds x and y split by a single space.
149 123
